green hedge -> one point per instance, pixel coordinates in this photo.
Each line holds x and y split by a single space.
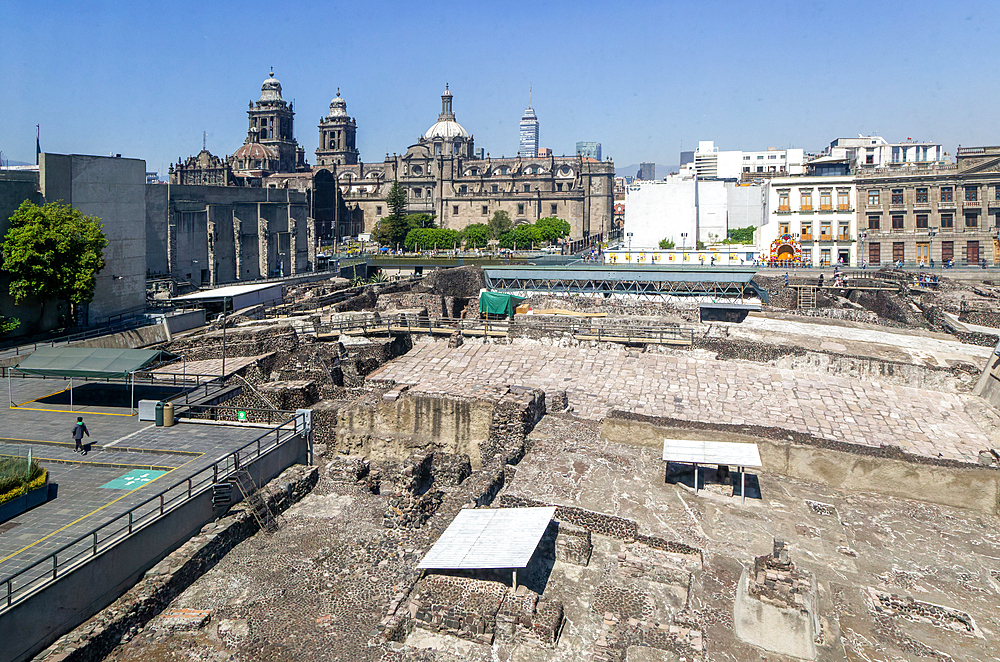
14 482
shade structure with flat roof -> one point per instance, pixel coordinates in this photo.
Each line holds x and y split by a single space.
729 453
489 538
239 296
90 362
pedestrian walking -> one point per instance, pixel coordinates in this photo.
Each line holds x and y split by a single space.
786 279
79 430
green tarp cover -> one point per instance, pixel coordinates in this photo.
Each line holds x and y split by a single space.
87 361
496 303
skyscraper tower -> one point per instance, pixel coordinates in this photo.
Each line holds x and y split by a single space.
529 131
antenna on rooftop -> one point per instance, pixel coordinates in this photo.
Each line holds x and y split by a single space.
204 139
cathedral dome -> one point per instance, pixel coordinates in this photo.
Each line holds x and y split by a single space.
255 151
447 129
271 89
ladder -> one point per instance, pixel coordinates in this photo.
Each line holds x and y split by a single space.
807 297
256 500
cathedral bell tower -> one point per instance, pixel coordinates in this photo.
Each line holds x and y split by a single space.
271 124
337 134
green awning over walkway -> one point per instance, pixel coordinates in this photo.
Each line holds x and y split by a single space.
496 303
94 362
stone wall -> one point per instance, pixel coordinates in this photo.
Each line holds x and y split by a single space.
434 303
95 639
251 341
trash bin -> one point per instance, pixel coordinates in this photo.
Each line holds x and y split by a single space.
159 414
168 414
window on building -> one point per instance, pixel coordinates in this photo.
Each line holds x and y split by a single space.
520 209
843 232
825 200
495 188
772 156
947 194
760 168
947 221
824 231
805 200
558 187
463 189
486 210
454 210
898 252
843 200
824 257
553 209
922 221
378 210
873 199
416 193
921 196
947 250
873 221
807 256
971 193
760 157
783 201
874 256
996 192
897 221
746 157
971 220
527 188
897 196
807 230
870 158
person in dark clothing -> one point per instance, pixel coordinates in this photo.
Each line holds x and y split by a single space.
79 430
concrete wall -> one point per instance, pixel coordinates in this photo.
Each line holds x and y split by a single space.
661 210
988 387
973 487
112 189
33 624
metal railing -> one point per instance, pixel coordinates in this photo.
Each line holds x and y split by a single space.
133 323
18 586
576 326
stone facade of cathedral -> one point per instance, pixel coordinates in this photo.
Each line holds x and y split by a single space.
440 172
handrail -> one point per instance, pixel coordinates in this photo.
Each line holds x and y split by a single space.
46 570
572 325
133 323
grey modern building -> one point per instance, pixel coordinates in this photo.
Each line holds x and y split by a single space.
647 172
589 150
529 133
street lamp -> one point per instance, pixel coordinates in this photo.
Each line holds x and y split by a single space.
862 236
684 236
930 245
629 235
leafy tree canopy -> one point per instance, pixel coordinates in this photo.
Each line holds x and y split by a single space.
740 235
54 253
501 223
667 244
429 238
396 201
476 235
552 228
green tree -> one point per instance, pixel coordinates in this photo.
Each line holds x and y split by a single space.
500 223
430 238
740 235
667 244
699 245
527 236
53 253
395 199
506 240
420 221
552 228
476 235
391 230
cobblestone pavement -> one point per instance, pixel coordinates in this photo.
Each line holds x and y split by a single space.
600 379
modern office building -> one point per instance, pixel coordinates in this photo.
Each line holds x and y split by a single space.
647 172
529 133
592 150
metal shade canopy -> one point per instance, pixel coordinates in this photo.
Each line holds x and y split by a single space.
489 538
92 362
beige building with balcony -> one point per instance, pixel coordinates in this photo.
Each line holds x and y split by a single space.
934 214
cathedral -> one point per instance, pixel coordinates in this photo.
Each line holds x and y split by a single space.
442 174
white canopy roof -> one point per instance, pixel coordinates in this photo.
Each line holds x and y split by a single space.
489 538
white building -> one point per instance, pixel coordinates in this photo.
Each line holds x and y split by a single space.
877 152
529 133
811 221
712 163
685 209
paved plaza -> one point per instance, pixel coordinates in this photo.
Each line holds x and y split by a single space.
128 461
598 380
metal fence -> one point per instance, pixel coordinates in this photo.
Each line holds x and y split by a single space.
45 571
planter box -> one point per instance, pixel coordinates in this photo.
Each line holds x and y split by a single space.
15 507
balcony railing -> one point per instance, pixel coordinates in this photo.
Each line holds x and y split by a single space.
972 203
806 208
843 237
807 236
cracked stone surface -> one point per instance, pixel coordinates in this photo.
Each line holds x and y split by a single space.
600 379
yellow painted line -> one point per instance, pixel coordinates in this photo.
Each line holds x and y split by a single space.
70 411
42 397
93 512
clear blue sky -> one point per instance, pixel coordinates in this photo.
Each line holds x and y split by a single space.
144 79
